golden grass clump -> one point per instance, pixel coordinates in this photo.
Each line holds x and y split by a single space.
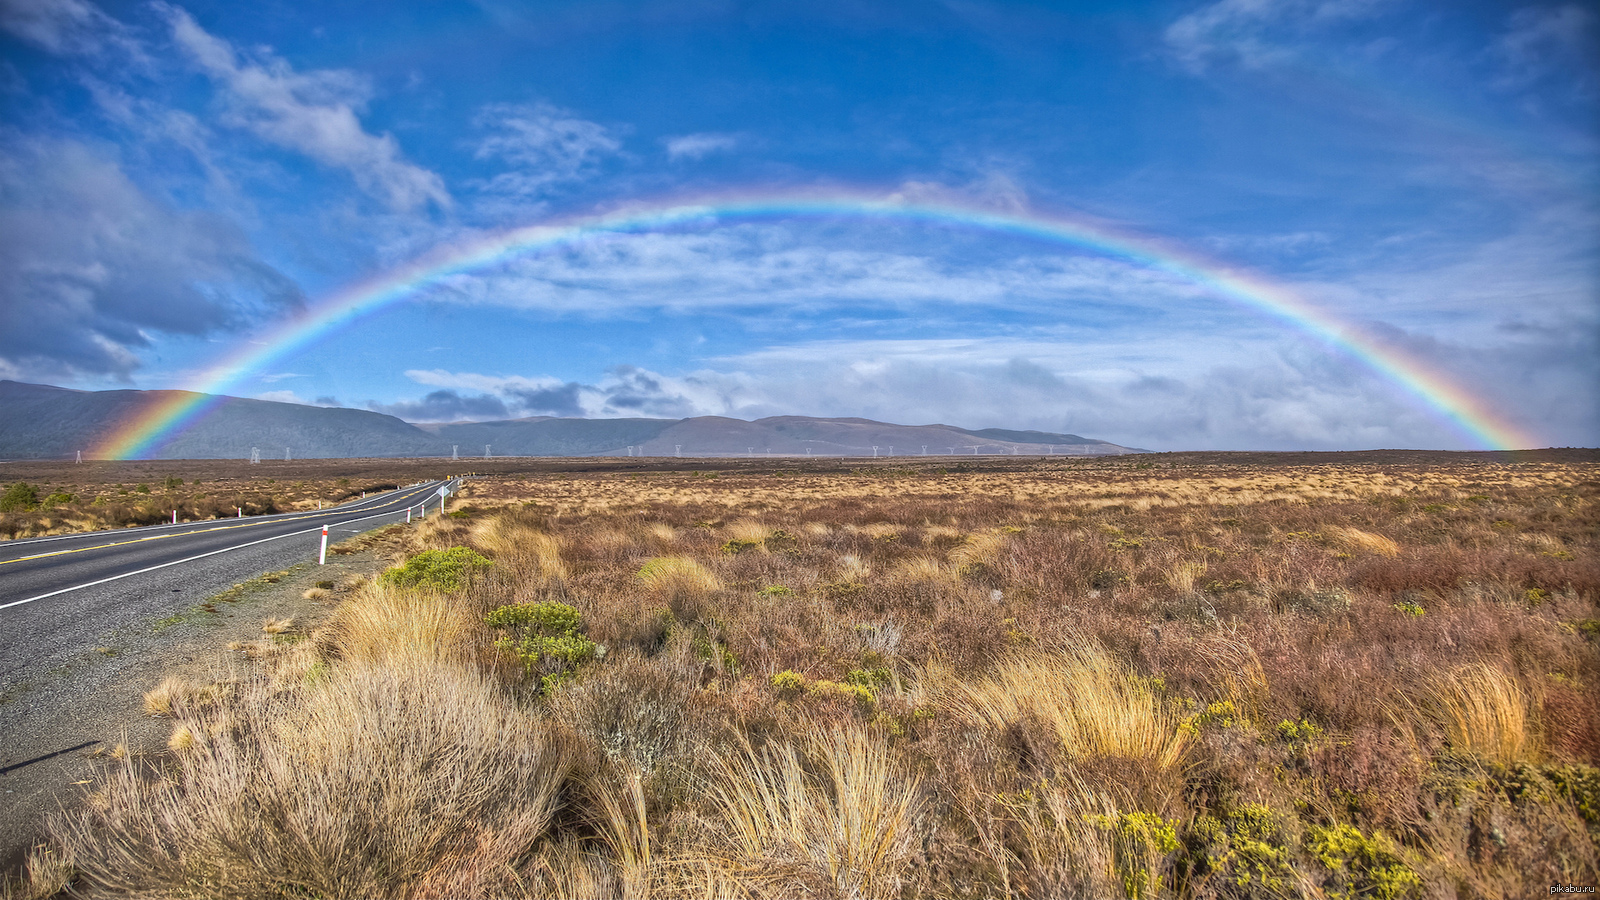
173 693
976 550
1484 711
852 569
1090 702
379 783
182 738
1365 541
316 593
925 569
747 530
386 625
1181 577
278 626
833 813
521 548
678 575
662 532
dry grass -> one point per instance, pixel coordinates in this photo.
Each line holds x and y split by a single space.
1088 702
671 575
521 548
1061 679
833 813
1485 712
171 694
278 626
1365 541
383 626
381 783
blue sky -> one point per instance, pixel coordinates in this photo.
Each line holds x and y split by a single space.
175 178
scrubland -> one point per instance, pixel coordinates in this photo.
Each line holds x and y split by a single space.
50 499
1106 679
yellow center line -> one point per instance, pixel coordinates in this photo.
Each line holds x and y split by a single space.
159 537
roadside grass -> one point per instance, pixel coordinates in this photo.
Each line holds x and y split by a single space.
1082 680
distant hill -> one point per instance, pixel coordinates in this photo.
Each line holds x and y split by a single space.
43 422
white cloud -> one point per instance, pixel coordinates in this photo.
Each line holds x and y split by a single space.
547 144
284 397
63 26
767 267
1542 41
313 113
698 146
1255 33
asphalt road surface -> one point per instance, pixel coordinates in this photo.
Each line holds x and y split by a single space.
76 615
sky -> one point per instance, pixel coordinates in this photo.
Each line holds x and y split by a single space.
179 180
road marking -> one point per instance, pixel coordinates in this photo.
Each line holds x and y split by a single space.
175 562
158 537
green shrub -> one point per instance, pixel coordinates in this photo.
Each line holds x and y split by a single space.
738 545
1142 840
1249 850
546 637
440 570
1361 866
19 497
1410 608
59 498
789 683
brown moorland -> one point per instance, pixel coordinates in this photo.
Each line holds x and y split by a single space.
1184 675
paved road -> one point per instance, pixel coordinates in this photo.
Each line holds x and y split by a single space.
60 595
76 617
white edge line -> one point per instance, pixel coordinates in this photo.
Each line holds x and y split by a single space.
175 562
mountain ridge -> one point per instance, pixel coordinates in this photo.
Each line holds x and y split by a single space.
39 421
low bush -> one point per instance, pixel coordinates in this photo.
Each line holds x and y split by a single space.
439 570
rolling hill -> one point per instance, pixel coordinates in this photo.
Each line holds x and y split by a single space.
45 422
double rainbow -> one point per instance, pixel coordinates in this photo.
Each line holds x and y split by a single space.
143 433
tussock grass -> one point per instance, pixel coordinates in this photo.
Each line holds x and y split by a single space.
678 575
977 549
521 549
834 811
1484 711
747 530
924 568
1073 678
1365 541
420 782
382 625
1083 698
173 693
279 626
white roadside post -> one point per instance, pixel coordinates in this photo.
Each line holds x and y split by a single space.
241 512
408 515
174 517
322 556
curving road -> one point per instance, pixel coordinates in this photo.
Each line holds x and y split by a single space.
76 616
39 569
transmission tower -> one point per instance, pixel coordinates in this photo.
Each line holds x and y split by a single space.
255 455
455 451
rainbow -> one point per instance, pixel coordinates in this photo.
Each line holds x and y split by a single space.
144 432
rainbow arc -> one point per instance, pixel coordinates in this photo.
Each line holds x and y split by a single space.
143 433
